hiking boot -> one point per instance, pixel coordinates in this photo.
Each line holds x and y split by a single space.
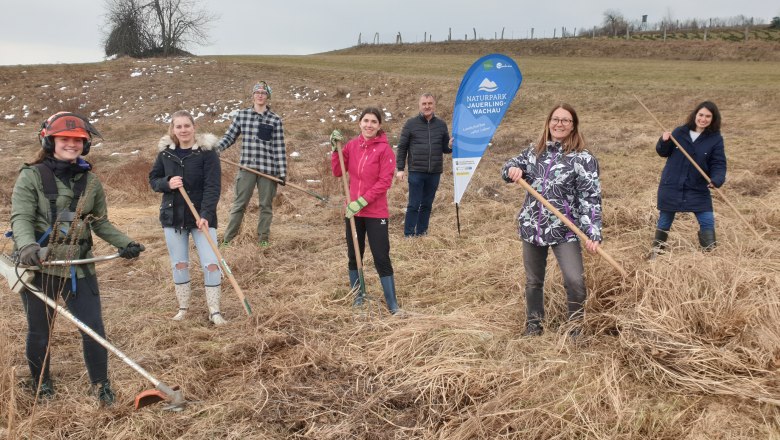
533 328
264 243
224 245
105 394
46 390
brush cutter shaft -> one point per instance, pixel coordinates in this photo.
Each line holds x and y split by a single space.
82 261
701 171
99 339
277 180
570 225
353 228
214 247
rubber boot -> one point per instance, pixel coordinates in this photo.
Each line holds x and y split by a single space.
388 286
213 294
659 243
534 302
707 240
354 283
183 294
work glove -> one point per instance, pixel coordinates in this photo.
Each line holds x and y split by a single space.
282 180
132 250
28 255
355 206
335 137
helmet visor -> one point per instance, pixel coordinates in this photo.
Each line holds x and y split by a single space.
70 125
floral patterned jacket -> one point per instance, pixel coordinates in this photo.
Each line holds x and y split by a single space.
569 182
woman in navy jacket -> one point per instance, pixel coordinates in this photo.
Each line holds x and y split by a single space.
682 187
188 160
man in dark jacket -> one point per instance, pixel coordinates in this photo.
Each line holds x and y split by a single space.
424 141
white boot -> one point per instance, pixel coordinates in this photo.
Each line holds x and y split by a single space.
183 294
213 294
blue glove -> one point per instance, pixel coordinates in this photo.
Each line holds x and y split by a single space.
355 206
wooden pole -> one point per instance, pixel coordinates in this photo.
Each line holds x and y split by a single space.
570 225
277 180
215 248
353 228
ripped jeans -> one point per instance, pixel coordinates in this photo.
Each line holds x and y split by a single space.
179 251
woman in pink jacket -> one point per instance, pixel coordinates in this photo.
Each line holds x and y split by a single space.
370 162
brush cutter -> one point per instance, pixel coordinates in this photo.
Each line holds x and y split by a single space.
353 228
570 225
215 248
18 281
277 180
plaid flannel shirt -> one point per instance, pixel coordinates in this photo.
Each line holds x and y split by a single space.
262 146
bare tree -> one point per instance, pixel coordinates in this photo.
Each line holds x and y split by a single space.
155 27
614 21
180 24
128 33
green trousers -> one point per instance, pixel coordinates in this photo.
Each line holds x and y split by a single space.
244 187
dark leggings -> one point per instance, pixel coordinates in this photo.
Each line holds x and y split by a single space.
84 305
378 240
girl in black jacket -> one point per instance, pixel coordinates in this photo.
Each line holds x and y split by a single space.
188 160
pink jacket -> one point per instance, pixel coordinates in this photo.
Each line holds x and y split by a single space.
371 166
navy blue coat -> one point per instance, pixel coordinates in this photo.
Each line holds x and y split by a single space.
682 187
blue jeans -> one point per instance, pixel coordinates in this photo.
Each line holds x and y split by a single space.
422 191
706 220
179 251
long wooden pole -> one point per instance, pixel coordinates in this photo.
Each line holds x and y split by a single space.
570 225
215 248
353 228
701 171
277 180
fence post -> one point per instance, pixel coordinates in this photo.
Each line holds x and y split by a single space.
475 33
449 35
747 32
359 35
502 32
532 33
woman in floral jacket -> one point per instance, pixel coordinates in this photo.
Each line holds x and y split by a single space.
567 175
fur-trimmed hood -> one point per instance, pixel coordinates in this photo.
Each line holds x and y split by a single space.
205 141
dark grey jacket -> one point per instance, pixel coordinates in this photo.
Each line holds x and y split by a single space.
424 143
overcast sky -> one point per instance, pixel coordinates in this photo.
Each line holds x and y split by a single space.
70 31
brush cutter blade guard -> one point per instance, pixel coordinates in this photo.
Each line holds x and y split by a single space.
174 397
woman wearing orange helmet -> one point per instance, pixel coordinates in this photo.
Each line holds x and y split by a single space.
57 203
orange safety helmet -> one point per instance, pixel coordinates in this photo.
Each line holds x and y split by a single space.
66 124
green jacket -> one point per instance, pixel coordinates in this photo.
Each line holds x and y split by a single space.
30 218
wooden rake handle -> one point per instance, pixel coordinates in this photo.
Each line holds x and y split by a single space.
277 180
215 248
355 244
570 225
701 171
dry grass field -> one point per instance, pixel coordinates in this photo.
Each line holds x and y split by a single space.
685 347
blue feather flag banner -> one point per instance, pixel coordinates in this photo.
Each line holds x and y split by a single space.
485 92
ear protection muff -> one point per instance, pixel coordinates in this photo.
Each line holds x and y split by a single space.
65 123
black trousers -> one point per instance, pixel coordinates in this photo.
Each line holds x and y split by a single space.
378 240
84 305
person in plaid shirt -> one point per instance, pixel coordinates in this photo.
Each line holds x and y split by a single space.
262 149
